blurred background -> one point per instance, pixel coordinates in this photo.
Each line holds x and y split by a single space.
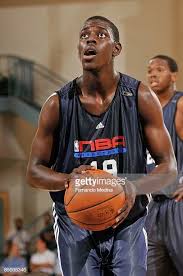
38 54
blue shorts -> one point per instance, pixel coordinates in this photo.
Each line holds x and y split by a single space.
164 227
105 253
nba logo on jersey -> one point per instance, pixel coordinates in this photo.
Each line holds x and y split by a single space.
76 146
100 147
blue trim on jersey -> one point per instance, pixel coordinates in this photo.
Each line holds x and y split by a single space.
99 153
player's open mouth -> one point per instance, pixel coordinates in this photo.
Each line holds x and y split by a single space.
89 53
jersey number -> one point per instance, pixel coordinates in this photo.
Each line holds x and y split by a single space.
109 166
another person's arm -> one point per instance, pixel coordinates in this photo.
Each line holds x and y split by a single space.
178 195
179 119
38 267
49 262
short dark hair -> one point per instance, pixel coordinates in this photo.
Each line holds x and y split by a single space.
113 27
172 64
43 239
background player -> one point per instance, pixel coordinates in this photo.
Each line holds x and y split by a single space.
165 217
75 123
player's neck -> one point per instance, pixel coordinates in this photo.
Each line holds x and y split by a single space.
102 83
165 96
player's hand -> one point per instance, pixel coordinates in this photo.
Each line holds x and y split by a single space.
82 169
130 200
178 195
76 173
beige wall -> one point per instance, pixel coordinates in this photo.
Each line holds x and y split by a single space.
11 174
24 201
24 32
23 131
15 138
150 32
48 34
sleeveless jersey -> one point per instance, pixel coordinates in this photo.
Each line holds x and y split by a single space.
169 111
112 141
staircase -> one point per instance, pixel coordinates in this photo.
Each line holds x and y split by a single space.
26 81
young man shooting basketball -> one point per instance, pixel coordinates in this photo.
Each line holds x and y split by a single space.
100 104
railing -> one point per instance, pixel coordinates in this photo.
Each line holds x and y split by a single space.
33 229
27 80
36 225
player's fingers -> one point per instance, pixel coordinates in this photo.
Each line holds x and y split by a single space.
177 193
86 167
123 209
179 197
66 185
121 218
83 169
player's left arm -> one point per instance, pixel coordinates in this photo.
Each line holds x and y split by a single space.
179 118
160 147
178 195
158 143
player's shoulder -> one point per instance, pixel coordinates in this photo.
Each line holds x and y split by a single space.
50 111
144 92
52 102
148 104
67 90
129 81
63 92
180 100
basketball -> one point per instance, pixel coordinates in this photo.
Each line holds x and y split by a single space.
92 201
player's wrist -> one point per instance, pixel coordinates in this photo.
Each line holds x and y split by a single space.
130 189
65 178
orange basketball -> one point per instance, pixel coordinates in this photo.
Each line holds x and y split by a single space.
92 201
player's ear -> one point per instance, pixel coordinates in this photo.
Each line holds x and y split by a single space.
117 49
174 77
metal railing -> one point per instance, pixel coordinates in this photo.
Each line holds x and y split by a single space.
33 229
27 80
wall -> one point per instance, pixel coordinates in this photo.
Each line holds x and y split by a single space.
12 182
150 32
23 131
15 138
48 34
24 32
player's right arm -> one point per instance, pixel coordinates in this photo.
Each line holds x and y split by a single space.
39 173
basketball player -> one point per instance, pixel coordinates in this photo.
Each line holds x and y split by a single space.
165 217
100 119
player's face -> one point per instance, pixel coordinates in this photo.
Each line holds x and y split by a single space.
96 45
159 76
